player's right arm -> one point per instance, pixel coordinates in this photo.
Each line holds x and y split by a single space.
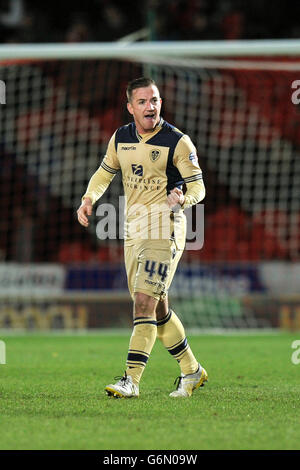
98 183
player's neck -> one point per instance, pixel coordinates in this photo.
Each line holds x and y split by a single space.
145 132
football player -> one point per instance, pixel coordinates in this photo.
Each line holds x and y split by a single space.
156 160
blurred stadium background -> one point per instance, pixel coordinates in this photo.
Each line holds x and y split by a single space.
55 124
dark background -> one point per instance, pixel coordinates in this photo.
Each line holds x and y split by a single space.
109 20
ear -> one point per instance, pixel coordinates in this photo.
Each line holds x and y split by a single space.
129 107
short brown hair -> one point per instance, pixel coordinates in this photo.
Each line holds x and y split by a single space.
141 82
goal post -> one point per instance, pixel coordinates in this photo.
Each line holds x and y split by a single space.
237 100
117 50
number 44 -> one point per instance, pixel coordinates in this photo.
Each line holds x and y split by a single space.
150 268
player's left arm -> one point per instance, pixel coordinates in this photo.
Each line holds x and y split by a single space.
186 160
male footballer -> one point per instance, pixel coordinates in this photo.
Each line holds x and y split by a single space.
155 160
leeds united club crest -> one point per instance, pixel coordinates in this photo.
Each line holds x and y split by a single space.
154 155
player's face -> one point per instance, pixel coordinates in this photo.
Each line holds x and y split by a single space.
145 107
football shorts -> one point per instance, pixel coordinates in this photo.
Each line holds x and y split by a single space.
150 266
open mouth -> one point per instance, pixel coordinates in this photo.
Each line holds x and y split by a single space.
150 116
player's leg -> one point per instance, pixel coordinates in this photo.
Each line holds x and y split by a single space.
143 335
149 285
170 329
171 332
144 326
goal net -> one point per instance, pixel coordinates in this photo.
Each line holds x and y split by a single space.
241 113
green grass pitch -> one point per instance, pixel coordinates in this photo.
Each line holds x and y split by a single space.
52 395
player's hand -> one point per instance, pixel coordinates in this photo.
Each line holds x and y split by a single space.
175 197
84 211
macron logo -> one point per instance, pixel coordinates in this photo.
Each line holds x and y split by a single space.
131 147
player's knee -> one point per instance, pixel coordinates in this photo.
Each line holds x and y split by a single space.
144 305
